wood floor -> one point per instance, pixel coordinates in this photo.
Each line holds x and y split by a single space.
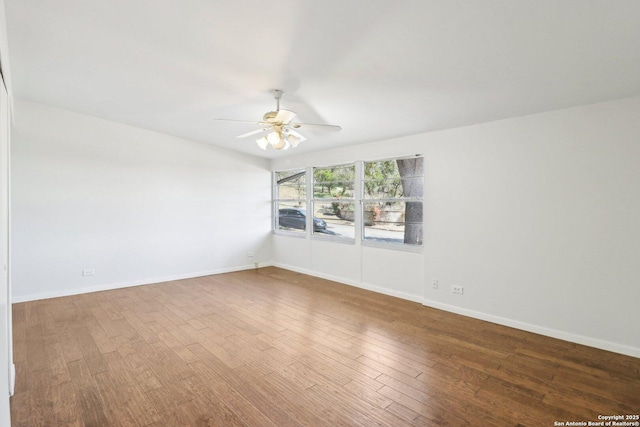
270 347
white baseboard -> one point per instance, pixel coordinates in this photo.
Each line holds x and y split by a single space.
12 379
149 281
536 329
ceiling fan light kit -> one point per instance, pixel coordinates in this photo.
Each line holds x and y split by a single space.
263 143
281 134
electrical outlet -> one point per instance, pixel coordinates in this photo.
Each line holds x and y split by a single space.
255 264
434 284
457 290
89 272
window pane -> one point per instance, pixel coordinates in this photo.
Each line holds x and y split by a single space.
291 184
413 186
386 217
333 182
393 222
291 216
383 188
333 190
383 180
334 219
285 175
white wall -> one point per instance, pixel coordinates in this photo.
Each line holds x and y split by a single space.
135 205
538 217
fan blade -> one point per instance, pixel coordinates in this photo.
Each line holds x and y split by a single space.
284 116
239 121
334 128
255 122
253 132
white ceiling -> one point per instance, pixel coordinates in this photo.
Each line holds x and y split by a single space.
378 68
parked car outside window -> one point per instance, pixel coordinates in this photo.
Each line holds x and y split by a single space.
297 218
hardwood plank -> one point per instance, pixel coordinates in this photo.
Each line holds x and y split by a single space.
21 409
57 366
601 384
130 390
206 409
41 399
102 340
157 359
455 370
367 391
135 320
228 357
407 414
176 344
501 408
300 345
170 410
515 391
381 367
87 395
304 408
116 410
66 405
421 406
90 351
36 356
257 398
70 348
235 401
360 412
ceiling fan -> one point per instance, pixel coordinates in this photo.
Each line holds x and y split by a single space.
278 129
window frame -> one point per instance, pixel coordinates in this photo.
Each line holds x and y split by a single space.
276 200
352 200
359 201
401 246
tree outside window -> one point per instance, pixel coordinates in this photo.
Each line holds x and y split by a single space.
393 201
333 200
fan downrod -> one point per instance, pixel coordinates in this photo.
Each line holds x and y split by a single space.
277 94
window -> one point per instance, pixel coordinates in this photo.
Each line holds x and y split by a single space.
392 192
333 201
384 207
290 200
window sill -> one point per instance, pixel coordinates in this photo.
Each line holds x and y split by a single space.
290 234
334 239
393 246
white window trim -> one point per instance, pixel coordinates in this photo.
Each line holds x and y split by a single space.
275 229
396 246
329 237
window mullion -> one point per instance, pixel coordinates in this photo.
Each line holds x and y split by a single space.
309 201
359 196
